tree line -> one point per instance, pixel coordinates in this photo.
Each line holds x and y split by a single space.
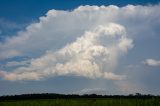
72 96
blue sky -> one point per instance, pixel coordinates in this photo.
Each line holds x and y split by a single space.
79 46
18 10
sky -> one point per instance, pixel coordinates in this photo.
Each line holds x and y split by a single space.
79 46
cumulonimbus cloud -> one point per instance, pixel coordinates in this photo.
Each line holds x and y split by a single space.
93 55
87 41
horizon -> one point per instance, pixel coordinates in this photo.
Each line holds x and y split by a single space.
82 95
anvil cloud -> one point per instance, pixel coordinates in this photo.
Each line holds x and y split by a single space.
87 42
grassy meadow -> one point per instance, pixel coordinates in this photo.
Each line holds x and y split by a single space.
83 102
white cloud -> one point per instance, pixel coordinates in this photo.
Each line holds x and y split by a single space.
112 76
58 28
87 56
16 63
87 41
98 91
152 62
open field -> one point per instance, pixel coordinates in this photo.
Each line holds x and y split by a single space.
83 102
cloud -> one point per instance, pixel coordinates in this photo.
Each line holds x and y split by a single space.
112 76
53 32
8 54
152 62
9 28
16 63
98 91
87 41
87 56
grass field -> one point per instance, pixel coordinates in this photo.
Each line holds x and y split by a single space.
82 102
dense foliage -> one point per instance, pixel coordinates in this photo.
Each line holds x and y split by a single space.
79 100
83 102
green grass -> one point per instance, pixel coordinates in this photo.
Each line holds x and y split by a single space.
82 102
